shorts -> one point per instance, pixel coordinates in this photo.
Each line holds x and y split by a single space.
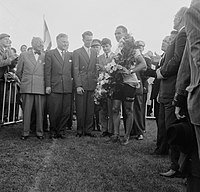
124 92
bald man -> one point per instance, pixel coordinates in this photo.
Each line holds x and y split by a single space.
30 71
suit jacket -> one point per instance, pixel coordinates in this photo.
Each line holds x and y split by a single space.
31 73
58 72
84 69
103 60
193 35
4 62
170 67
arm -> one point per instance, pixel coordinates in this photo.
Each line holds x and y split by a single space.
171 67
76 73
4 61
193 32
47 72
141 64
20 66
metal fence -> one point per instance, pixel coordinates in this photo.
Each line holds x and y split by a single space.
10 108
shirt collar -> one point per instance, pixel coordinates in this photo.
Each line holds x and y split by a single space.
108 54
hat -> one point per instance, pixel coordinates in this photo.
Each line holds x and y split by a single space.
140 43
3 35
96 42
105 41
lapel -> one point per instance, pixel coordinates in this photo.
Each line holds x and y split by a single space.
58 56
39 61
85 55
32 58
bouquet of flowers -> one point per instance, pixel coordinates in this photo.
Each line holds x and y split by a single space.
118 71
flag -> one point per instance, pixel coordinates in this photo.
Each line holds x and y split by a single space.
47 37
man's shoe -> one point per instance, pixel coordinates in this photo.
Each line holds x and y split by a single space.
105 134
24 137
61 136
125 141
52 136
78 135
113 139
140 137
90 135
40 137
170 174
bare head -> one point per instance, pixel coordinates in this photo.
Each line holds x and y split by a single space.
87 38
62 41
37 44
120 32
179 18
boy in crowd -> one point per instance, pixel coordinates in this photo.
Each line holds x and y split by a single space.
106 118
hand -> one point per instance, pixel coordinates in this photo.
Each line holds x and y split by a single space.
80 90
100 67
125 70
159 75
48 90
177 113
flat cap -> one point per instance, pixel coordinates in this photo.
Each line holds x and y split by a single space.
96 42
3 35
140 43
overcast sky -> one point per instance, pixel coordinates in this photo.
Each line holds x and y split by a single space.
147 20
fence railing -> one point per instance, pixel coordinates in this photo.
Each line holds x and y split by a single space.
10 108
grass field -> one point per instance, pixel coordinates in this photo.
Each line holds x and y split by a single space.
81 164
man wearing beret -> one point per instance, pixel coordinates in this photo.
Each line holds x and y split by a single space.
6 61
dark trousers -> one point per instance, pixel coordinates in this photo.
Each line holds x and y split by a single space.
166 119
59 109
144 111
85 112
28 102
45 121
1 99
138 121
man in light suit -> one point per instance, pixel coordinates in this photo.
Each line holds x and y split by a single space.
84 67
58 83
30 70
106 118
168 73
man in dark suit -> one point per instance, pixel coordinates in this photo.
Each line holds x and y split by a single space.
189 74
30 70
84 67
58 83
168 73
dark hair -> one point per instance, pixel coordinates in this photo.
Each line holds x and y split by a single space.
30 48
61 35
105 41
23 46
87 33
125 30
174 32
14 50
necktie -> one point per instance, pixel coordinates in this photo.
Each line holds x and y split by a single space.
106 55
63 54
89 52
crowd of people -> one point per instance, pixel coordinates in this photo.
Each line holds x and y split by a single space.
58 82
